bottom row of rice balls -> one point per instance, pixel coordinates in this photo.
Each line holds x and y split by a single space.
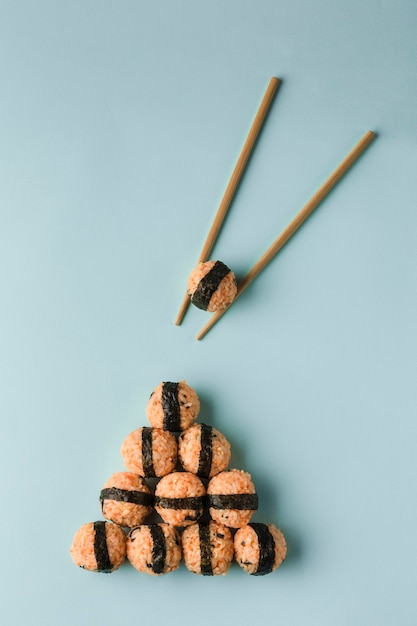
207 546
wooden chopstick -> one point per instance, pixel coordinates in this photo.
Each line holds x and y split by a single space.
233 183
294 225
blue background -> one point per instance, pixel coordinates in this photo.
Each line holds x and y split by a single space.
120 123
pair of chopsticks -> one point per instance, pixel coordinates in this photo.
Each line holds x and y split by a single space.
292 227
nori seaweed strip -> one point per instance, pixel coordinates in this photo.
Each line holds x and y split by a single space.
101 552
208 285
266 549
206 451
147 460
159 549
205 550
180 503
238 501
126 495
171 407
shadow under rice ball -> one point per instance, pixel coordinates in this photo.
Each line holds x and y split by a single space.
99 547
126 499
173 406
212 286
154 548
259 548
207 548
180 498
232 498
203 450
150 452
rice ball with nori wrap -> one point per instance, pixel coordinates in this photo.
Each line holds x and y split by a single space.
212 286
99 547
203 450
180 498
232 498
154 548
126 499
207 548
259 548
150 452
173 406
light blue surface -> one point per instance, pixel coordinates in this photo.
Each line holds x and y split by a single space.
120 124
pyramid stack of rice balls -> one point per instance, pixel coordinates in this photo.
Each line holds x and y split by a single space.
178 473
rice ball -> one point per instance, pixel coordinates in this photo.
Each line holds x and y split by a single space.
154 548
180 498
232 498
173 406
126 499
150 452
99 547
207 548
259 548
203 450
212 286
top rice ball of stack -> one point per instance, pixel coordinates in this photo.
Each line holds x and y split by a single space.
173 406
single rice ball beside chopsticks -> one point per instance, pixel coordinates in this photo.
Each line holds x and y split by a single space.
99 547
259 548
212 286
